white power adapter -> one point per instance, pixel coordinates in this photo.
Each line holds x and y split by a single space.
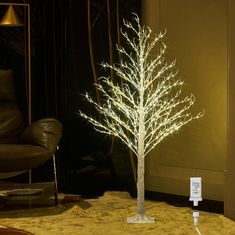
195 190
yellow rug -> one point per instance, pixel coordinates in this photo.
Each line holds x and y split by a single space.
107 216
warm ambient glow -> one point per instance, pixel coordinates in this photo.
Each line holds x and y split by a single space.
145 106
11 18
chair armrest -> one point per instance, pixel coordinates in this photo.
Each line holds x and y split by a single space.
45 132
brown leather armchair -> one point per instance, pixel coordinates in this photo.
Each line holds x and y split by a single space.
23 149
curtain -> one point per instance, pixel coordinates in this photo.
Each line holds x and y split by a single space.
49 58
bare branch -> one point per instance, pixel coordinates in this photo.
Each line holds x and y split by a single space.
146 106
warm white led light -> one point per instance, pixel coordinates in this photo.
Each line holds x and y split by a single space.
145 106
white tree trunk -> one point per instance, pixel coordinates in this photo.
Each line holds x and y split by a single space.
140 187
140 217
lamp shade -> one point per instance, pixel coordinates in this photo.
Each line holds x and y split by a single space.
10 18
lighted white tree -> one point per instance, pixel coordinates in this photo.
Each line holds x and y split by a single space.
146 106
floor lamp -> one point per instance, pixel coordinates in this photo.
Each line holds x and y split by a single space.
10 19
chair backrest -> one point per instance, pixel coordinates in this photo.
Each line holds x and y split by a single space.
11 121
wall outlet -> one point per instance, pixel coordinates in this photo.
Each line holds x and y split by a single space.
195 190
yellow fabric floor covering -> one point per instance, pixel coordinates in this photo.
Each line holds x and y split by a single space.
107 216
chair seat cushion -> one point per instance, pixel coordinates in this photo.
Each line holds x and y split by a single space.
17 157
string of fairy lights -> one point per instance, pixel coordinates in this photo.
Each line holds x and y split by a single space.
147 106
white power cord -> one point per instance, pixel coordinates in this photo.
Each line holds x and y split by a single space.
198 231
195 219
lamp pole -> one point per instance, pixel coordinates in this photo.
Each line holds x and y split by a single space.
29 69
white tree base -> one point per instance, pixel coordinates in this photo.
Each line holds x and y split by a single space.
140 219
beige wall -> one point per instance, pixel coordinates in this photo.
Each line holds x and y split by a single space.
197 38
229 202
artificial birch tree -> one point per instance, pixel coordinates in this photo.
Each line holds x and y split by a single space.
146 106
